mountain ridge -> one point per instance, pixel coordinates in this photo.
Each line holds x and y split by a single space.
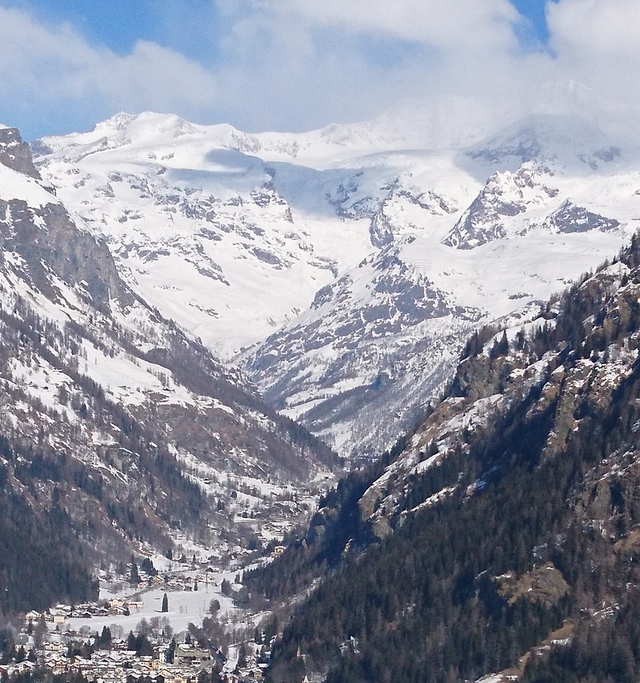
234 236
507 515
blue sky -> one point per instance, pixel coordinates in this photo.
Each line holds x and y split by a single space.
297 64
534 12
119 24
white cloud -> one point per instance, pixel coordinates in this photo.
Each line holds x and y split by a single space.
153 77
295 64
596 45
302 63
459 23
41 66
595 28
462 47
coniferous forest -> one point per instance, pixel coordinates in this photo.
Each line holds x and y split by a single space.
42 559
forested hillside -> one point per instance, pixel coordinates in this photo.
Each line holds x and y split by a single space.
120 433
42 560
509 513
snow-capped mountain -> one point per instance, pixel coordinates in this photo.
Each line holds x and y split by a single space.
554 198
349 264
197 224
114 418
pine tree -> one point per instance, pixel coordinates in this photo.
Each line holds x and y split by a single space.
165 603
242 656
103 641
134 577
170 654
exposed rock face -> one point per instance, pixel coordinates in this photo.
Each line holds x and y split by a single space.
49 242
544 585
16 154
504 196
571 218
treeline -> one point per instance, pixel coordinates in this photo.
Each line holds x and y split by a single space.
591 314
43 558
184 502
193 365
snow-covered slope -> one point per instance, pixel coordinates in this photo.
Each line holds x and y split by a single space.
198 225
464 237
353 260
142 434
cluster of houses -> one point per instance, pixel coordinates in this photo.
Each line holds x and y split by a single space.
51 643
60 614
173 582
120 665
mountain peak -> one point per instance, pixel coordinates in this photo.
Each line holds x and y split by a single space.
16 154
118 121
233 235
566 139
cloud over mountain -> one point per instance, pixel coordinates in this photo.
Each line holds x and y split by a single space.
285 64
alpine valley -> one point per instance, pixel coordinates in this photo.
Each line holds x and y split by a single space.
120 432
343 269
202 329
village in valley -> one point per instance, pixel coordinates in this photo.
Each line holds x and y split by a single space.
168 626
